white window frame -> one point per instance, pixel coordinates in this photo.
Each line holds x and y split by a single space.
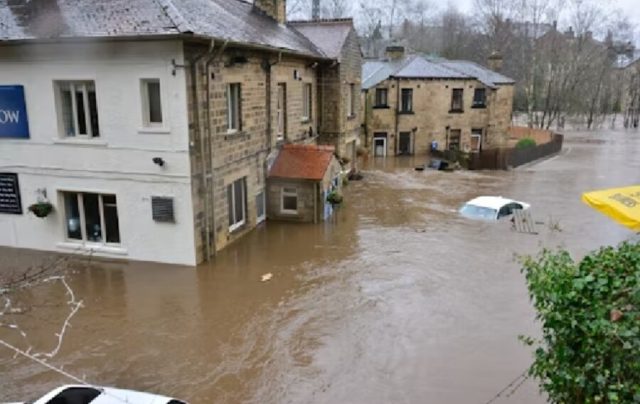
287 192
281 111
261 197
84 86
83 220
146 106
307 101
234 93
243 183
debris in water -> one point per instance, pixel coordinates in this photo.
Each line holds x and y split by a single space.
267 277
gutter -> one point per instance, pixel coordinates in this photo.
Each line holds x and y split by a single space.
186 36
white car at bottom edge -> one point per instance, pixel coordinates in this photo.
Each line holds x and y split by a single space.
79 394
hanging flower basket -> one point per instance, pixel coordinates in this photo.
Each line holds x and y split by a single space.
334 198
41 209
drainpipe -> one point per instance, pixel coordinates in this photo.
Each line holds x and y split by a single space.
268 67
398 95
211 195
196 115
366 118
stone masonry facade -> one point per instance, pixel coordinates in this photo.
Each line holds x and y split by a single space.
432 119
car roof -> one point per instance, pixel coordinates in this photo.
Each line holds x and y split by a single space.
114 396
492 202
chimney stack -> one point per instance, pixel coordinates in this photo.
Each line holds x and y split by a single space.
276 9
495 61
394 52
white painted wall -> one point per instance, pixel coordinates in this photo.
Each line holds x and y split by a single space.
119 162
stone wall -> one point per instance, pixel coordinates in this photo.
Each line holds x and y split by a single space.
306 196
336 127
218 157
432 118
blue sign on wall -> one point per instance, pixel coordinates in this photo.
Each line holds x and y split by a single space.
13 113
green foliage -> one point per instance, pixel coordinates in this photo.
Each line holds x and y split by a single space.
590 350
334 198
525 143
41 209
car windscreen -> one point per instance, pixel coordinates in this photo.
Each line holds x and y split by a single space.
478 212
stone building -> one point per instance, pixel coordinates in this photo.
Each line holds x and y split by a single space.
153 140
414 104
628 75
300 182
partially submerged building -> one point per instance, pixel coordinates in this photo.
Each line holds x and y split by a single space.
415 104
149 126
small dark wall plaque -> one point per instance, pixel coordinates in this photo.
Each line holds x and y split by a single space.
10 194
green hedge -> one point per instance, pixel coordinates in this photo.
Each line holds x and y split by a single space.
525 143
590 317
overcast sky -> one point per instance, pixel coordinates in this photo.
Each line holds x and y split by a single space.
631 8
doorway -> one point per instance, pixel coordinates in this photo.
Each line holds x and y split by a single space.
380 145
404 144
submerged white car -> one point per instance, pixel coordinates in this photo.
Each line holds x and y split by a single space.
100 395
491 207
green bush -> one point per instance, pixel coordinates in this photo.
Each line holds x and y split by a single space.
589 311
525 143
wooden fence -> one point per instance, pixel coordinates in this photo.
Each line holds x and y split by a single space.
506 158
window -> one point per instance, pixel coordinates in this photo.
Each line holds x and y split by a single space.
75 395
151 102
382 97
289 200
476 140
456 100
351 110
77 108
92 217
282 111
234 107
454 139
407 100
261 210
479 98
237 201
307 102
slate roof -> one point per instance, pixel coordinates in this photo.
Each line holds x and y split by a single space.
485 75
624 62
302 162
418 67
327 35
412 66
234 20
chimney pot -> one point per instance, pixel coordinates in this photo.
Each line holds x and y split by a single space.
395 52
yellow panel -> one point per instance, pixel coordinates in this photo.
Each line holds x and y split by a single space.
620 204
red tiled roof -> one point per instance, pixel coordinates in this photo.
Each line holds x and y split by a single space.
306 162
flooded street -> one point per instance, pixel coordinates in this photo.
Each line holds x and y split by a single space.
396 300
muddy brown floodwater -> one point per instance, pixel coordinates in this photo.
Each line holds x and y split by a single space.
396 300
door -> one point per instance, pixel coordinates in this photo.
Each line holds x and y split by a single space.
476 140
281 111
379 145
404 144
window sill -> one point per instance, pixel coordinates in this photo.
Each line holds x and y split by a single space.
289 213
380 107
93 247
479 107
237 228
456 111
160 130
406 113
81 142
236 135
